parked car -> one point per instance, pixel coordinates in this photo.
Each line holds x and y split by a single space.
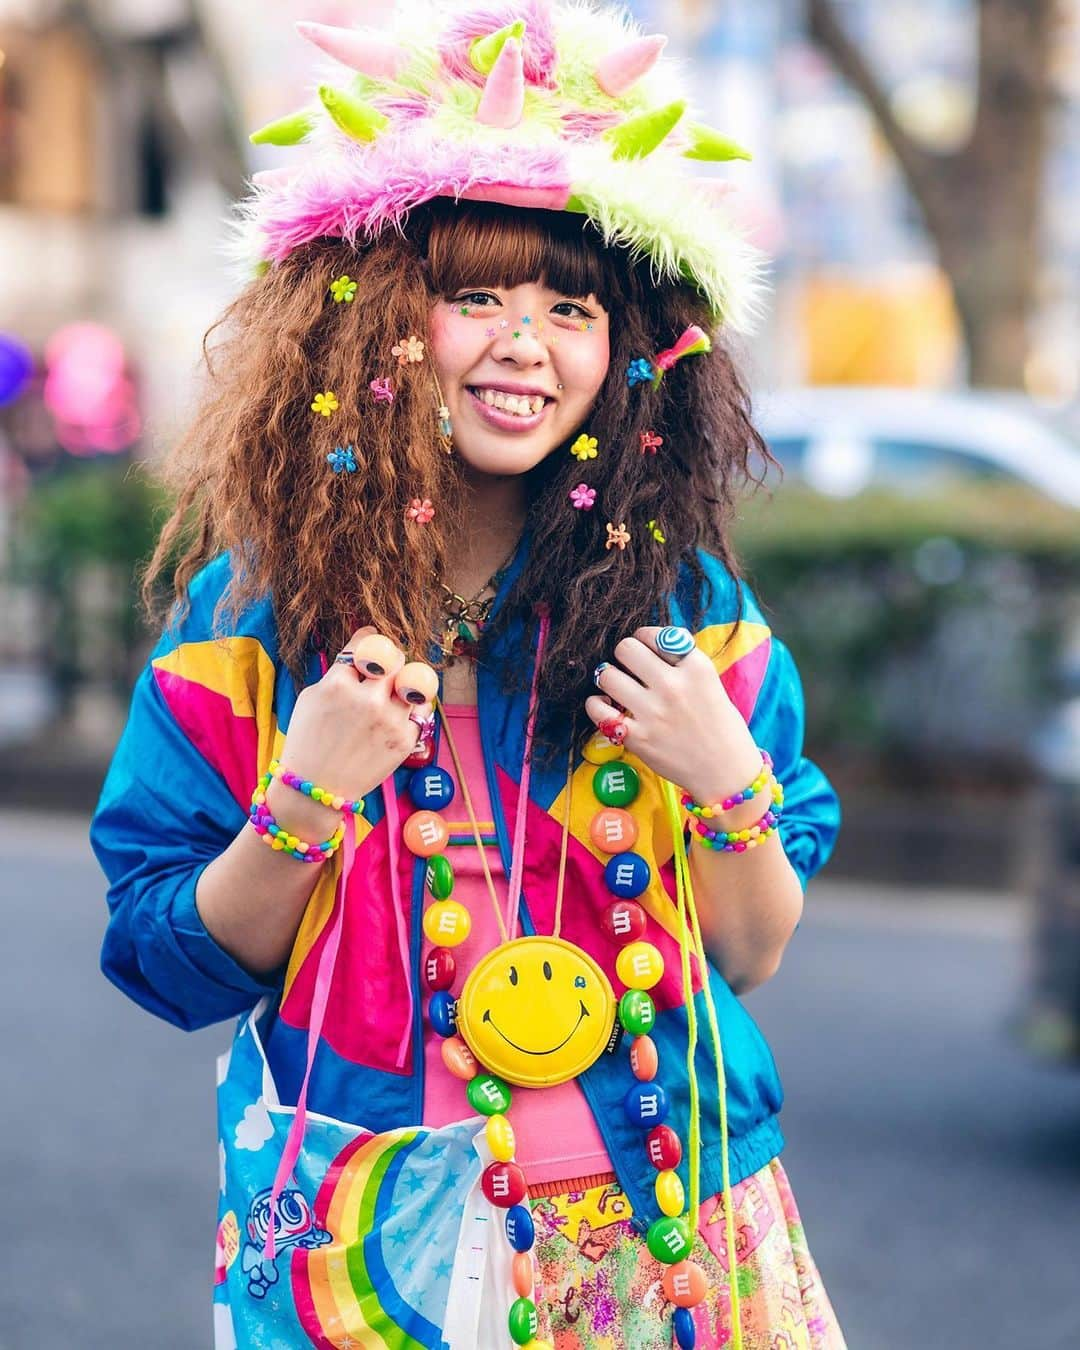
842 442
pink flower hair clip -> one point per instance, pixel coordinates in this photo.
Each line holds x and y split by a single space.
583 497
382 389
420 511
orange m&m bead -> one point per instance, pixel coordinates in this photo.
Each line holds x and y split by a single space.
425 834
685 1284
613 830
521 1272
459 1059
644 1061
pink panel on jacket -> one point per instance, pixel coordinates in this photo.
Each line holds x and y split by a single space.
743 679
368 1001
227 741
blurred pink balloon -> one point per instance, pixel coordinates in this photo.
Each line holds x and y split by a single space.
87 390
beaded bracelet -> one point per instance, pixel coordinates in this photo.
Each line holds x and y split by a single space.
317 794
280 839
738 841
707 811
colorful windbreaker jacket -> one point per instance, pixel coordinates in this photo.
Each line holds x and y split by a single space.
208 714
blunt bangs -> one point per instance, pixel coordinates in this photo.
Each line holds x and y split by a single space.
480 244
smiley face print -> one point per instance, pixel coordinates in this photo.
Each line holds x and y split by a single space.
536 1011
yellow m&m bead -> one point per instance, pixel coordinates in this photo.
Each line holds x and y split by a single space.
447 923
500 1137
670 1195
599 750
639 965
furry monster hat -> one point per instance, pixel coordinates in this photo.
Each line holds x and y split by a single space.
531 103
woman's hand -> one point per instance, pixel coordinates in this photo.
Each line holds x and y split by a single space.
678 717
352 730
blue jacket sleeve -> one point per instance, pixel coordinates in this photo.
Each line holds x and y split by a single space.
811 819
164 813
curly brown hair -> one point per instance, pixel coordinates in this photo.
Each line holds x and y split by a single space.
335 550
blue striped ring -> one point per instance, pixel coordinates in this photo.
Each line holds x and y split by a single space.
675 642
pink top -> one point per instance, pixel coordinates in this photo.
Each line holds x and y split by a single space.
556 1135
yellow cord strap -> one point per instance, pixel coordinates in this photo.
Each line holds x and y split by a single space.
685 893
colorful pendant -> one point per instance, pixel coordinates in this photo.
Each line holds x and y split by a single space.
537 1011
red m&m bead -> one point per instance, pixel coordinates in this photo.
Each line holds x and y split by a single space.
439 968
624 921
504 1184
664 1148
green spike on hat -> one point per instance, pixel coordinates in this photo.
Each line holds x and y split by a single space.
710 145
564 107
356 118
639 136
485 51
289 130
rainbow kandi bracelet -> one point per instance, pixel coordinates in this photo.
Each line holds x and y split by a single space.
279 839
739 841
317 794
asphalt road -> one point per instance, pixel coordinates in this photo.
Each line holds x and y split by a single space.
936 1168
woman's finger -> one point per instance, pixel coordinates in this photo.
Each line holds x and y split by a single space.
623 689
375 656
416 683
612 721
642 660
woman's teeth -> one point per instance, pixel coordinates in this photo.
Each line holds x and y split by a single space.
524 405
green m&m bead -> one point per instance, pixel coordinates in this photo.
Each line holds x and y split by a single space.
616 784
523 1320
669 1240
488 1095
439 876
637 1012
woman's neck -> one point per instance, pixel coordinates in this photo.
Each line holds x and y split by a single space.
495 516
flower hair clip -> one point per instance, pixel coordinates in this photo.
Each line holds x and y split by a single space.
342 460
420 511
693 342
409 351
382 389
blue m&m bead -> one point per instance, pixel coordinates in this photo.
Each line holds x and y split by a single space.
442 1010
626 875
646 1104
520 1231
682 1323
431 789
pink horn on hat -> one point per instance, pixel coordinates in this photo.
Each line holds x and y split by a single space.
503 100
369 53
623 67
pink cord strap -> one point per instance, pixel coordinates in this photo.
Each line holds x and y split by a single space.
319 999
518 854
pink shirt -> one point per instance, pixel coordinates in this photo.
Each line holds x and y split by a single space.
556 1135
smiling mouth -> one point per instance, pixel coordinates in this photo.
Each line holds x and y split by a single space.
521 1049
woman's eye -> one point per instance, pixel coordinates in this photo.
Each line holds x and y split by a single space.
582 312
476 298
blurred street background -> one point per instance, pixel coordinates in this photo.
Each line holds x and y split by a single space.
916 179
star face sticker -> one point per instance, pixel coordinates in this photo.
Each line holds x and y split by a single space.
526 319
489 332
504 323
517 332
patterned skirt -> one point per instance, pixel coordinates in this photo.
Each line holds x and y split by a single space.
600 1289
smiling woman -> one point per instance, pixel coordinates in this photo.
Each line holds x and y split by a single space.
249 475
